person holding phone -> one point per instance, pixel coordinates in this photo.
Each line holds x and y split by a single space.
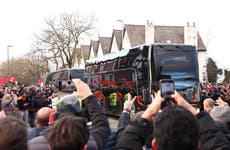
167 88
175 127
92 110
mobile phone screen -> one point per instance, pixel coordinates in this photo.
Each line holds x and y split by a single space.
66 85
62 84
167 87
146 96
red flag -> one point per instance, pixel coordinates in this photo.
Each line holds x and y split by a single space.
14 80
40 80
2 81
11 79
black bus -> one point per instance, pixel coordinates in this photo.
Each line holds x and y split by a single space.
138 71
59 77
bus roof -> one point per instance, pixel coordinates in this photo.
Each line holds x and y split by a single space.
124 52
109 56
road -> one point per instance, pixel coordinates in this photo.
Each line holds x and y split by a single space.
113 122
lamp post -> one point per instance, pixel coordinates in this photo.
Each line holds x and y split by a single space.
204 73
8 58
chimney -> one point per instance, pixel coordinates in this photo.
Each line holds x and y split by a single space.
149 33
194 25
188 24
118 25
190 35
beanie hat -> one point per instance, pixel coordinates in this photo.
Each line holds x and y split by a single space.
221 113
69 104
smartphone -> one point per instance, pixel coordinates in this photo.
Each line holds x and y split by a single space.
167 87
66 85
146 96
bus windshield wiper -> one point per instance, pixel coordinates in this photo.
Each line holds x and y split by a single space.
190 79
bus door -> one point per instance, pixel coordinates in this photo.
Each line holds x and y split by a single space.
115 86
143 66
126 81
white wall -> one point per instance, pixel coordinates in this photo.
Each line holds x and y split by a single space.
149 32
190 34
114 47
202 60
125 43
91 55
100 51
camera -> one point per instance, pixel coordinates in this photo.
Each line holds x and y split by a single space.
167 88
66 86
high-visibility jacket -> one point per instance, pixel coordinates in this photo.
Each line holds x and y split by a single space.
126 97
113 99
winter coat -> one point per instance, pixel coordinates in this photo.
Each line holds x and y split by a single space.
9 105
96 114
137 131
98 134
210 136
35 132
23 103
38 143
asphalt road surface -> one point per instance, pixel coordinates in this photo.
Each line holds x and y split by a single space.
113 122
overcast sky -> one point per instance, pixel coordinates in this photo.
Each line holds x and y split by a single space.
20 19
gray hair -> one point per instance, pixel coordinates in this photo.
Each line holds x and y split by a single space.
221 113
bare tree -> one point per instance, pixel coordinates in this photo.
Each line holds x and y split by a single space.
26 70
59 42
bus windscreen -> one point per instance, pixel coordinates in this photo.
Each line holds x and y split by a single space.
174 62
77 73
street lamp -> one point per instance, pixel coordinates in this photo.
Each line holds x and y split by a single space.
8 59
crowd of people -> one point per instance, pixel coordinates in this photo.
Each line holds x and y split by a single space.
216 91
24 101
78 121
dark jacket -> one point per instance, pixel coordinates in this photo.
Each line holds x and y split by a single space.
35 132
135 135
224 128
23 103
211 136
122 124
37 103
98 134
115 134
101 130
137 131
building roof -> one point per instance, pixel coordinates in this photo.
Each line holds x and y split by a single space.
136 34
174 34
105 44
94 45
117 34
201 46
163 34
85 49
